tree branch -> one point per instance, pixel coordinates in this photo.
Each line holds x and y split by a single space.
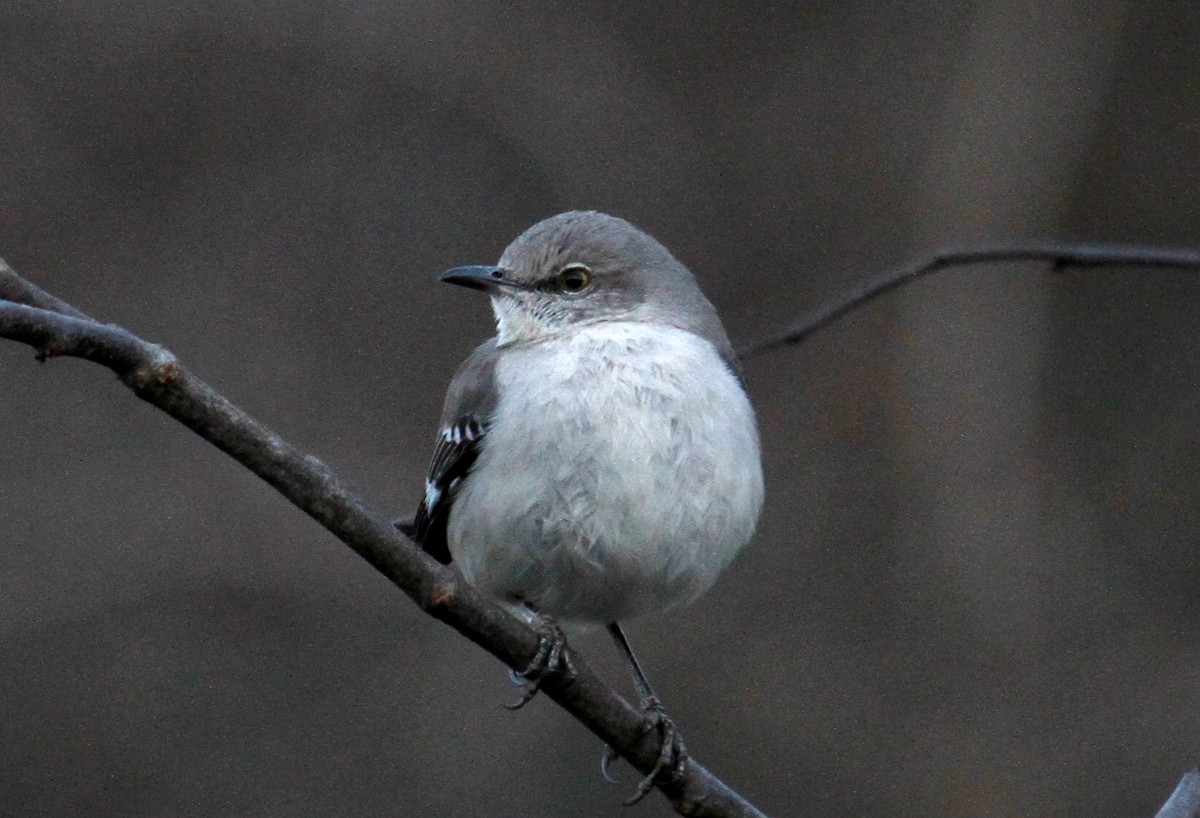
16 289
1185 801
1060 254
54 328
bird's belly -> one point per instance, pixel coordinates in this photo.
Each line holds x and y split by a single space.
637 495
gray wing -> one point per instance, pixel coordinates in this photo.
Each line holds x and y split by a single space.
469 405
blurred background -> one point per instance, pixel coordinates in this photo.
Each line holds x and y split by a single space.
974 589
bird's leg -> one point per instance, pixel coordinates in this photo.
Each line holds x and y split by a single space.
552 655
672 755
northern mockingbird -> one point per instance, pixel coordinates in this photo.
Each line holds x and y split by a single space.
598 459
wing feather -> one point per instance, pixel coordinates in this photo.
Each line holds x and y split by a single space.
455 453
470 401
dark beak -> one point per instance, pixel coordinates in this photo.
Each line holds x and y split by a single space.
480 277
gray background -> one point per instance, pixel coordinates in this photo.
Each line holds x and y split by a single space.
974 587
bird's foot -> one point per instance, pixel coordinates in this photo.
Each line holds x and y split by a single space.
672 755
553 655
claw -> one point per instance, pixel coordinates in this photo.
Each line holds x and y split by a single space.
552 655
672 755
606 760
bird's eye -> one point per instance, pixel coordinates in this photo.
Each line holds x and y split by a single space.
574 279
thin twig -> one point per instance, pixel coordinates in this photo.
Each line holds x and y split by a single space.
56 329
19 291
1060 254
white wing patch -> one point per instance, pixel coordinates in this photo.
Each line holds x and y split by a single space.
455 443
433 493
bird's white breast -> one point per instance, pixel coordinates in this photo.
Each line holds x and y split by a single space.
620 474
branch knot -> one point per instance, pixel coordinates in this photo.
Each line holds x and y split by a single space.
163 370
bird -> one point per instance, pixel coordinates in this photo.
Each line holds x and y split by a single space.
598 459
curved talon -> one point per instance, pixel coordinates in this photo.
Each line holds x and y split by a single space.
551 655
606 760
527 695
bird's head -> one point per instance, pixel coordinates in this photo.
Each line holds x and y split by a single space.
581 268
